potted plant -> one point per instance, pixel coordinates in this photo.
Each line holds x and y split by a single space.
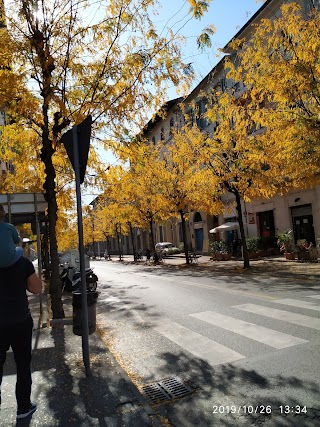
220 250
214 249
306 251
261 246
226 251
253 247
286 244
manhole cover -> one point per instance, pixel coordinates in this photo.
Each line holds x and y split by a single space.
167 389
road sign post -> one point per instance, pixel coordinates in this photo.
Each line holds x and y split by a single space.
78 155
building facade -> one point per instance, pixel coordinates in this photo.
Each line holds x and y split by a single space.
297 210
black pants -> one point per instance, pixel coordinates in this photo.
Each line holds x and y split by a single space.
19 337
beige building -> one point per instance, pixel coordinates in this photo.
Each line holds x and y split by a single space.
298 210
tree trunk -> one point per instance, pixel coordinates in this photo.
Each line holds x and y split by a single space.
93 248
133 243
184 236
39 43
50 197
108 247
246 263
152 235
119 244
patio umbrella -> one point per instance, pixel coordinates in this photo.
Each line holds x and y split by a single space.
228 226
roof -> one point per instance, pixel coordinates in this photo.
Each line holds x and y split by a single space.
158 116
226 48
205 80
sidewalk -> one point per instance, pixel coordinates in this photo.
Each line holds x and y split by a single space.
64 395
269 266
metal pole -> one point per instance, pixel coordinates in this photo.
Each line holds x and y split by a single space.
39 250
84 310
9 208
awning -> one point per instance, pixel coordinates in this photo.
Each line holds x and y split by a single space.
228 226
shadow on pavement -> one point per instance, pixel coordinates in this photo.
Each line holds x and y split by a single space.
244 388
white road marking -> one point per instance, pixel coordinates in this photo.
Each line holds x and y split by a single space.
200 346
110 299
286 316
298 303
258 333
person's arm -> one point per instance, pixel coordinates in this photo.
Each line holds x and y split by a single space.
34 284
15 235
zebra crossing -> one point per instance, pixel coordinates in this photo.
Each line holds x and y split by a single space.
215 353
200 346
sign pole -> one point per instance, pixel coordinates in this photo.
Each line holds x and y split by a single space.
84 311
39 251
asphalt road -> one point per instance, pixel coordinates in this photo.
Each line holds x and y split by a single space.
247 348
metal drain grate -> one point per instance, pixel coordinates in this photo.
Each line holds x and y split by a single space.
167 389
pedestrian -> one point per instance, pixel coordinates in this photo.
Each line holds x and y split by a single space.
16 326
9 238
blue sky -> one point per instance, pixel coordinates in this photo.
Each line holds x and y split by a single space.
228 16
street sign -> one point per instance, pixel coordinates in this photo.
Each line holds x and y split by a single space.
84 135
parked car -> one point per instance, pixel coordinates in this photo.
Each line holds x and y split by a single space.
167 248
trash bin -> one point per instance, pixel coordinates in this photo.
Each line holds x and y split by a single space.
92 297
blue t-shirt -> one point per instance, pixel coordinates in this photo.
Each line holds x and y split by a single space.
9 238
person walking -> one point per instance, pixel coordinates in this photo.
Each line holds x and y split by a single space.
16 325
9 238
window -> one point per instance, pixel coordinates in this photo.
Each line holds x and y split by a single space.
171 126
236 87
266 224
154 140
198 217
181 121
162 134
201 110
313 4
190 116
215 126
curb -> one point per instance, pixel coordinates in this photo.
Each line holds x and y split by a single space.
140 398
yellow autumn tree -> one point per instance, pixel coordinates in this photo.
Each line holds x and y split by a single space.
79 58
111 219
174 169
232 160
140 187
280 66
67 231
127 220
111 214
20 148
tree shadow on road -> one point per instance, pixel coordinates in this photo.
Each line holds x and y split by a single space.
264 278
228 385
